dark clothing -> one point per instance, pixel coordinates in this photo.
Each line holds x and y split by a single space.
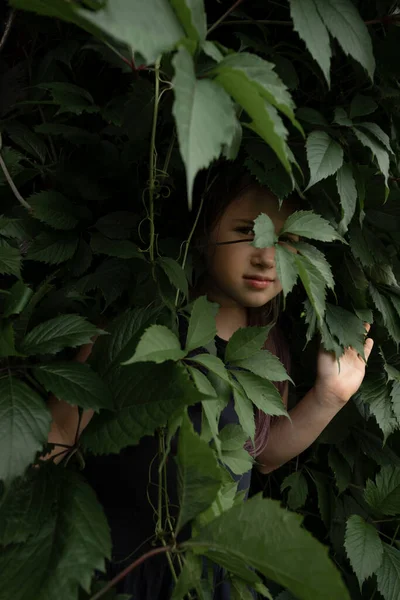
123 483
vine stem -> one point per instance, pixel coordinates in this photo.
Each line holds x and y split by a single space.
228 12
10 181
7 28
129 568
153 159
382 20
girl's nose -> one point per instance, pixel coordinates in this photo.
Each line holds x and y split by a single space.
264 257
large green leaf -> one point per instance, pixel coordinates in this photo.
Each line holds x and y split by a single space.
381 155
363 547
234 455
272 542
313 283
213 364
388 575
24 427
264 232
346 327
307 223
261 392
58 333
362 106
204 115
75 383
157 344
264 364
376 393
245 342
298 489
346 186
324 155
199 476
388 312
175 274
383 496
48 565
286 268
192 15
53 248
346 25
245 411
377 132
310 27
202 328
54 209
317 258
128 21
118 248
10 260
145 396
189 577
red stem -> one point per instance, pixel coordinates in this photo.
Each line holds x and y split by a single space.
130 568
227 13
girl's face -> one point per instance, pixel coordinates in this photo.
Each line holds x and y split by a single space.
239 274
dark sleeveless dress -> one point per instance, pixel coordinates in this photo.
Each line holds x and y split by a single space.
121 482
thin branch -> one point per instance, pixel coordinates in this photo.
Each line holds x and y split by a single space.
10 181
128 569
382 20
228 12
7 28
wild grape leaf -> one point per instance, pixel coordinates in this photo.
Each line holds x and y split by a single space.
340 469
199 477
17 300
261 392
264 232
212 363
380 154
75 383
377 132
310 27
245 411
362 106
175 274
202 328
341 117
271 541
383 496
286 268
264 364
53 248
157 344
347 190
145 395
118 248
55 334
346 25
24 426
308 224
117 225
298 489
41 568
376 393
10 260
112 277
245 342
234 455
324 155
193 18
189 577
388 575
202 131
313 283
25 138
54 209
127 21
390 317
346 327
317 258
363 547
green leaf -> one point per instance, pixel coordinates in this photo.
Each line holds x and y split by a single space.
362 106
212 363
262 393
308 224
264 364
199 477
380 154
157 344
75 383
264 232
189 577
202 131
245 411
41 569
17 300
202 328
376 393
340 469
53 209
117 225
58 333
245 342
145 396
389 315
312 116
388 575
310 27
237 459
271 541
23 137
377 132
346 25
53 248
192 15
25 424
341 117
10 260
118 248
127 21
324 155
175 274
313 283
298 489
363 547
286 268
383 496
12 159
317 258
347 190
346 327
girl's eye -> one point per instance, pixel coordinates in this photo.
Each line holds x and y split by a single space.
245 230
286 238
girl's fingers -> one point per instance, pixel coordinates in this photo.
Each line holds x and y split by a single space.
369 344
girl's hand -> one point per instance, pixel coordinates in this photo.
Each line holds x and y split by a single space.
336 387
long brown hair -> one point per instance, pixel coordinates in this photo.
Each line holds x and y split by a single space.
224 184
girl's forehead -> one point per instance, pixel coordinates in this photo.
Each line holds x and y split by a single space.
255 201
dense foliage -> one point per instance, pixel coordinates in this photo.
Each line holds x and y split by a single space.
108 111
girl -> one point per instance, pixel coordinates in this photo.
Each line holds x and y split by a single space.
243 281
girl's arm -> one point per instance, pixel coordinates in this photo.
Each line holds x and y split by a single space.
311 415
65 418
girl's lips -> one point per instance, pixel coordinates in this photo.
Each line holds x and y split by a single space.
259 284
